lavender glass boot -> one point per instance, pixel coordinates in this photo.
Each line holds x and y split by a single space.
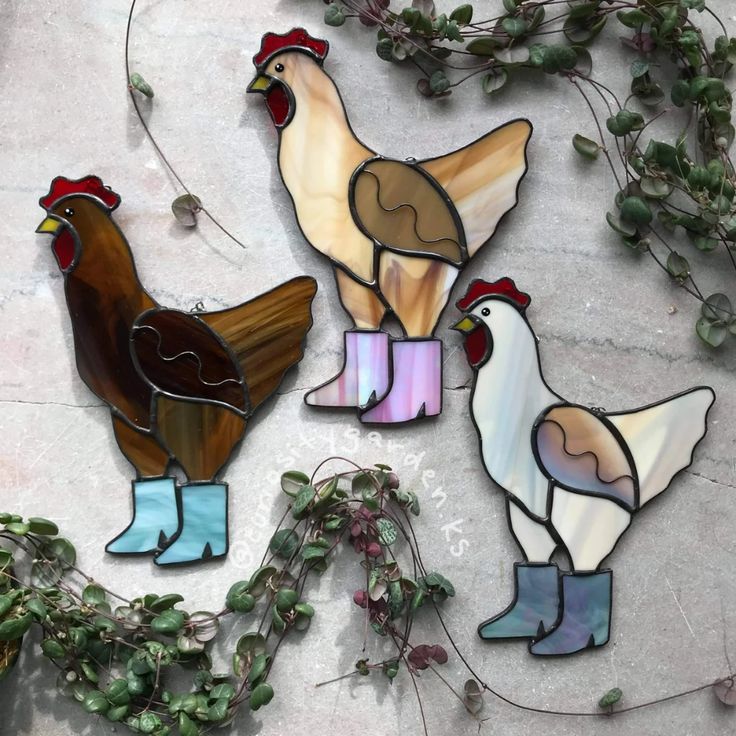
416 390
586 614
365 375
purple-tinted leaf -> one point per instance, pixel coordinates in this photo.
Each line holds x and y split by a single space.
420 656
438 654
473 697
378 610
371 11
360 598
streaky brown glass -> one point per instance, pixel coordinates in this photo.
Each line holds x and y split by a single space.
180 385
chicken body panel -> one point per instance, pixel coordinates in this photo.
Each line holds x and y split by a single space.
507 401
318 154
178 384
105 297
398 231
574 477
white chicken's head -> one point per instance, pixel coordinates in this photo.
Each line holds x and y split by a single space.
487 307
279 62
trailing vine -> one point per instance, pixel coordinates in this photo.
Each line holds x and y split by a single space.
119 658
668 191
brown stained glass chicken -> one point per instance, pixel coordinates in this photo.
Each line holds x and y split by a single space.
180 385
398 232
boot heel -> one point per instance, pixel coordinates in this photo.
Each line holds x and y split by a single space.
203 534
155 519
535 608
586 615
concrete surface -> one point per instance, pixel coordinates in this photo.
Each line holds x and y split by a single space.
603 316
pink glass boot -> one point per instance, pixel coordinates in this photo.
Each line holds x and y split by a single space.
416 390
365 374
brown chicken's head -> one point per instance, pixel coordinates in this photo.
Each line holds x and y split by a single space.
74 207
481 318
278 63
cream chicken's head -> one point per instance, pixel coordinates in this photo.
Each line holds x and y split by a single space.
286 65
494 313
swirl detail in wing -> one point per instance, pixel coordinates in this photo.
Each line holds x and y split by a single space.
579 451
398 206
178 354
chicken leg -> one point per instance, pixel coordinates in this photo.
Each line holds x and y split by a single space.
364 377
586 590
155 518
536 604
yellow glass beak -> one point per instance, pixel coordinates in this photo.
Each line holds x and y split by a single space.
464 325
49 225
261 83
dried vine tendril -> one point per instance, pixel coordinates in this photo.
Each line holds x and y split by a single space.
119 657
685 186
187 206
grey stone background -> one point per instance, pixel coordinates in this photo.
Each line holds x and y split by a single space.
603 316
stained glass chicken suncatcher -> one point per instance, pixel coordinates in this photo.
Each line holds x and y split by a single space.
573 476
398 232
180 385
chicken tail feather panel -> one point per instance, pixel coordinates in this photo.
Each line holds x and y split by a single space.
267 333
482 179
662 437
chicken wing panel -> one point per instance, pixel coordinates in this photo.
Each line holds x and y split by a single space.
581 452
400 207
180 355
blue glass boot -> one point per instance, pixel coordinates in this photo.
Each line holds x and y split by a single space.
535 606
203 532
586 615
155 518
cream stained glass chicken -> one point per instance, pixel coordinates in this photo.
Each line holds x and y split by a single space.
397 231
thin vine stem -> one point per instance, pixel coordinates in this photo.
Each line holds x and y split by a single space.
152 139
351 510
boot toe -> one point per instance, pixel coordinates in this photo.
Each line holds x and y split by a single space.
112 548
557 644
132 544
513 625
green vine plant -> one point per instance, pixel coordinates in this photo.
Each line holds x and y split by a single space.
666 188
125 659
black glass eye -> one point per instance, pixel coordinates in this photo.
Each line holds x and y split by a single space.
485 311
69 212
279 67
